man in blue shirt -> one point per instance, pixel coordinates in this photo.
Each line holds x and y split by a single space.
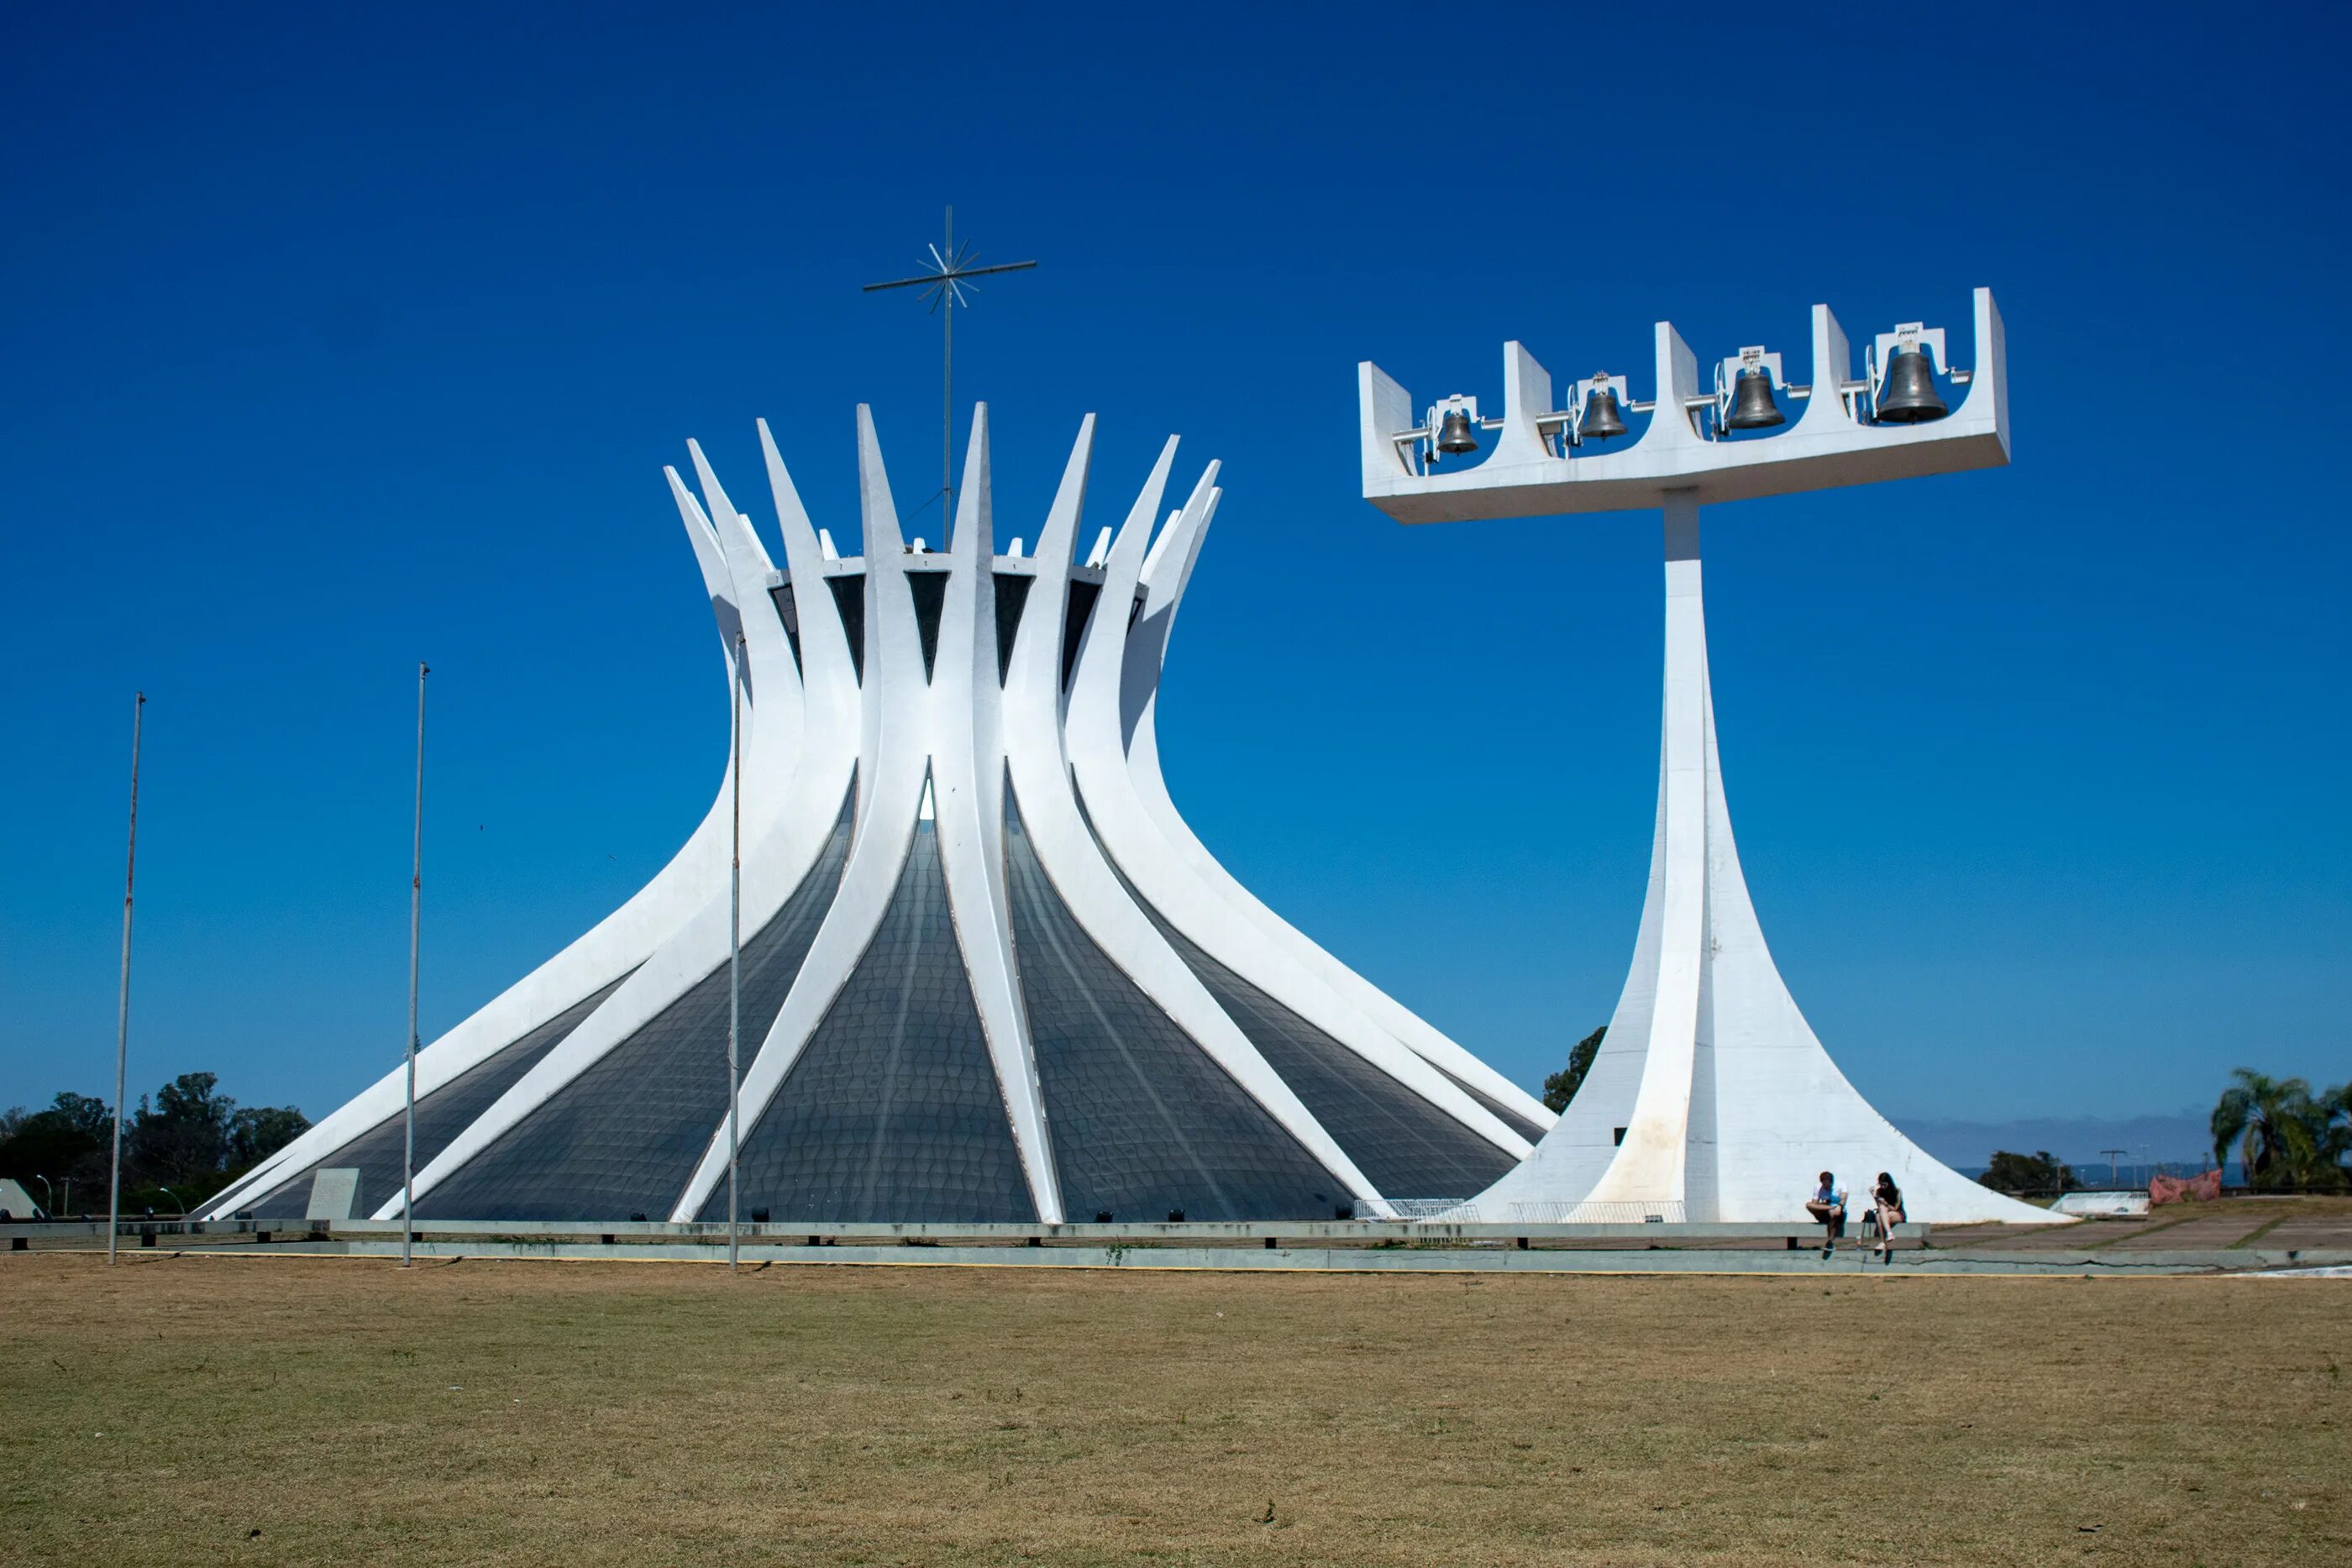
1828 1206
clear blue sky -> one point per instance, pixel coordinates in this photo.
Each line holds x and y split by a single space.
336 338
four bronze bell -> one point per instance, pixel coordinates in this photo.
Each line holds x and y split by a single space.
1908 396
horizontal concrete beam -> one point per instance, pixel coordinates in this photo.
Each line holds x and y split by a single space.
1158 1231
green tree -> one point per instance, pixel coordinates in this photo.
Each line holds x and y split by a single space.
2038 1172
2286 1134
64 1141
182 1140
1561 1086
258 1132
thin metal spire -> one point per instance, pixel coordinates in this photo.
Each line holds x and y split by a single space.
416 931
947 284
122 998
735 956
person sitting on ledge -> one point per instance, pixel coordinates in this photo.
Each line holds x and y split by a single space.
1827 1206
1887 1199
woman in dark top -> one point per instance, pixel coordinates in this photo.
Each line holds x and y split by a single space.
1887 1199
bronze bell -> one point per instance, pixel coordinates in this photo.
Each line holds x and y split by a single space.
1752 407
1453 437
1601 420
1907 395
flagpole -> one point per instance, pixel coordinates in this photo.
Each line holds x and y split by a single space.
735 959
416 931
123 997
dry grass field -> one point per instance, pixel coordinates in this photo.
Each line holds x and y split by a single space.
286 1410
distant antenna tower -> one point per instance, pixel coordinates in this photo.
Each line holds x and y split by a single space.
946 283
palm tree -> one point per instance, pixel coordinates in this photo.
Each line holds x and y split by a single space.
2335 1109
2272 1120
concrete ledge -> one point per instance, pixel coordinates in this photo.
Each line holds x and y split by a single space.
1488 1259
1188 1232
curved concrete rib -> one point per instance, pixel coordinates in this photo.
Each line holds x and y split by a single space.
1117 676
892 769
786 824
1139 720
607 950
1049 815
968 773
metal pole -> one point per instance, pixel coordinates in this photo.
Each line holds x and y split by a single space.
416 931
947 398
735 956
123 1001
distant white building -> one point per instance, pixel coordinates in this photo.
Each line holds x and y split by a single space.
987 971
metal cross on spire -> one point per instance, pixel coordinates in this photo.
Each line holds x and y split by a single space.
946 284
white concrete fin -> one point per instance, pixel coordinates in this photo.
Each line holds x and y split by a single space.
1101 552
1092 892
893 776
1392 1017
1384 411
968 771
1711 1098
827 673
1527 396
1129 833
1159 542
1833 368
825 543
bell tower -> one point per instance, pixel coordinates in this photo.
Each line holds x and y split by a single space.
1711 1098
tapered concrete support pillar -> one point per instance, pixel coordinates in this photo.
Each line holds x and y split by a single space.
1711 1099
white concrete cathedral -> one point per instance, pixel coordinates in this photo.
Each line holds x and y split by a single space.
987 971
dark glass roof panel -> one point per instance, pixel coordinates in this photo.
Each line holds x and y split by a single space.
1081 604
788 611
1012 593
440 1116
1409 1147
623 1137
849 598
893 1111
1142 1119
929 591
1511 1118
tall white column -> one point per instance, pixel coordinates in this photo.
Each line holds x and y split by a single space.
1711 1098
1652 1163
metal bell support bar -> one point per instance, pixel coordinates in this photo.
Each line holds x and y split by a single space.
1891 421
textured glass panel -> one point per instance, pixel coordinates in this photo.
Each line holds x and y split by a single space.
1083 595
440 1116
849 598
788 611
893 1111
1511 1118
929 591
1141 1119
623 1137
1012 592
1409 1147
